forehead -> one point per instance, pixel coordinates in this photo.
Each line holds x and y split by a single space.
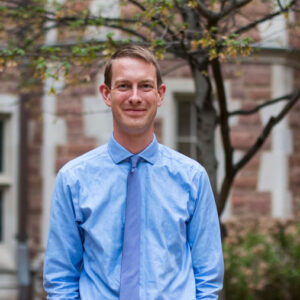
132 69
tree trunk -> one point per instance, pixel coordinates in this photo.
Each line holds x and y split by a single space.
206 124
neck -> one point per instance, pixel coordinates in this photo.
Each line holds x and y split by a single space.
134 143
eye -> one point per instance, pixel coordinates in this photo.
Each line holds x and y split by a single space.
123 87
146 87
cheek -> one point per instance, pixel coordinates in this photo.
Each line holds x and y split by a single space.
117 111
116 103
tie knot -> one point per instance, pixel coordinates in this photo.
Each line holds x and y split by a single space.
134 159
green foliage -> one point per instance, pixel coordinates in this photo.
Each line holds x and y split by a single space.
10 53
158 47
224 46
160 24
76 24
178 27
192 3
41 63
262 260
157 10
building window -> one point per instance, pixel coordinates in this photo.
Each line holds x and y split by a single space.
8 178
186 125
1 145
1 171
158 127
1 216
3 177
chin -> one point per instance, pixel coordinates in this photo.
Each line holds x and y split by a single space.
137 129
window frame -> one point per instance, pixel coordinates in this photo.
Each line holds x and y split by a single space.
8 181
191 139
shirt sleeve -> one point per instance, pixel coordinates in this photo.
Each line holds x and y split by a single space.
63 257
205 243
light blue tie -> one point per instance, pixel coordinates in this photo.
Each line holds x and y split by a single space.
130 269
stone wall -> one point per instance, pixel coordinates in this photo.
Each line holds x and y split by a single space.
250 84
294 159
35 186
10 80
70 108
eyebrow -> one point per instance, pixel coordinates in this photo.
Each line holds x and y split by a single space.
148 80
121 81
128 81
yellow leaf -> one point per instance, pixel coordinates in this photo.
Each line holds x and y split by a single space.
52 91
192 4
286 15
194 45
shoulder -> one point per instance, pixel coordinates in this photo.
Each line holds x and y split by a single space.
87 160
183 170
178 160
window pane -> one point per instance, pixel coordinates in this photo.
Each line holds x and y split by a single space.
1 215
184 118
184 148
1 144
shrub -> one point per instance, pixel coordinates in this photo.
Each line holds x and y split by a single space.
262 259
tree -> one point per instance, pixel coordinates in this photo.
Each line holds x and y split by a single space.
202 33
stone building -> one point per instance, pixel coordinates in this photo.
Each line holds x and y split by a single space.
75 120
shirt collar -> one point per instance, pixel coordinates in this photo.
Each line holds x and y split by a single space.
118 153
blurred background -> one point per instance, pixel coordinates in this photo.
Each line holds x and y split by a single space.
232 70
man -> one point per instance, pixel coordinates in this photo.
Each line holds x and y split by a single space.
133 219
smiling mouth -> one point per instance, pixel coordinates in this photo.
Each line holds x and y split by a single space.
135 110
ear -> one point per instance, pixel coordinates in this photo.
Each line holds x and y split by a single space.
105 92
161 93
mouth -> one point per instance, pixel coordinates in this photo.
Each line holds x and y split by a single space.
135 110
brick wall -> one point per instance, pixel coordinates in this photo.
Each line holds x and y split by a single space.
294 159
10 85
250 84
34 172
293 30
70 108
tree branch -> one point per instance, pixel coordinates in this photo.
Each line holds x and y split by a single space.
205 12
258 107
128 30
10 3
234 5
264 19
174 68
228 179
216 67
137 4
226 10
114 23
266 132
164 26
225 135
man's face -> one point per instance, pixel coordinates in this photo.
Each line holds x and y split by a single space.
133 96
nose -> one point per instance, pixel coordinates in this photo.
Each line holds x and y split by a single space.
135 95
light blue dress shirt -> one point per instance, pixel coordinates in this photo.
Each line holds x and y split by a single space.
180 254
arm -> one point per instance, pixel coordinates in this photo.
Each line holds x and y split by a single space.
205 242
63 257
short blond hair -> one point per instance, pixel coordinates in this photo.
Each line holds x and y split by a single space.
133 51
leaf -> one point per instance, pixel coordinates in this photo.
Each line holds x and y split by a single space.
192 4
194 45
41 63
213 53
52 91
